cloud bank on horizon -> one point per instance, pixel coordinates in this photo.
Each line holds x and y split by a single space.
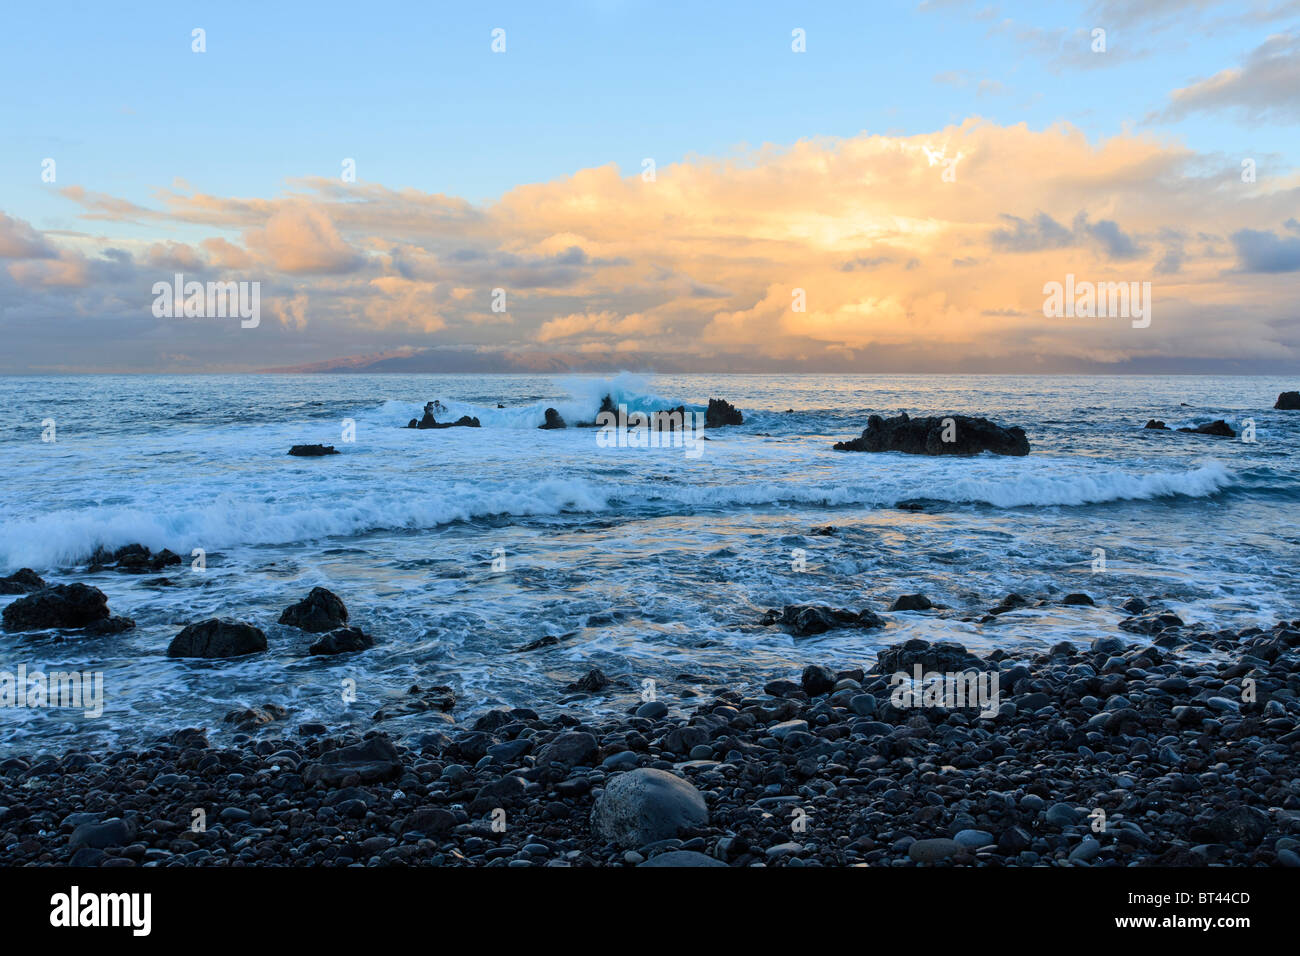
897 250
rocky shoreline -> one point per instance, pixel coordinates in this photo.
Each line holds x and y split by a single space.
1124 753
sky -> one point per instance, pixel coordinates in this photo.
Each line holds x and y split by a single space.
659 186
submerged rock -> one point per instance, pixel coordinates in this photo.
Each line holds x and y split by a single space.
342 641
217 638
935 435
312 451
1218 428
57 606
320 611
802 620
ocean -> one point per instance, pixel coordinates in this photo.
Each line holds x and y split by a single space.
456 548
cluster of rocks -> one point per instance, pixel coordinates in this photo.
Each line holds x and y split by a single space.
718 414
427 420
1218 428
1111 755
84 609
132 559
937 435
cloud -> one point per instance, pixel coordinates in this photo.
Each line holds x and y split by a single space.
1259 251
894 265
1263 89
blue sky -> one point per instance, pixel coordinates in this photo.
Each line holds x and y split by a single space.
230 159
413 93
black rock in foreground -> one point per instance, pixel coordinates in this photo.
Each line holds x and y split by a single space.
59 606
1107 756
1289 401
217 638
720 413
935 435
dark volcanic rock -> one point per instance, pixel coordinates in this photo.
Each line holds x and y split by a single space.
569 750
369 761
1247 825
591 682
1078 598
1151 623
1219 428
553 420
320 611
133 559
940 656
342 641
62 606
1289 401
1156 425
428 421
217 638
312 451
817 680
802 620
720 413
925 436
911 602
250 718
23 581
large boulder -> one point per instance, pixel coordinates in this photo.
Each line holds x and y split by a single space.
645 806
1288 401
553 420
942 656
937 435
803 620
320 611
577 748
217 638
61 605
1219 428
370 761
720 413
22 581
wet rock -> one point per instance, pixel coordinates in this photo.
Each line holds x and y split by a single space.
926 436
569 750
1151 623
1288 401
646 805
342 641
720 413
312 451
1156 425
217 638
940 656
803 620
934 850
592 682
1077 598
911 602
1219 428
23 581
817 680
99 836
320 611
250 718
553 420
58 606
428 420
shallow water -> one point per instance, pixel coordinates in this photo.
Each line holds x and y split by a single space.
649 562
